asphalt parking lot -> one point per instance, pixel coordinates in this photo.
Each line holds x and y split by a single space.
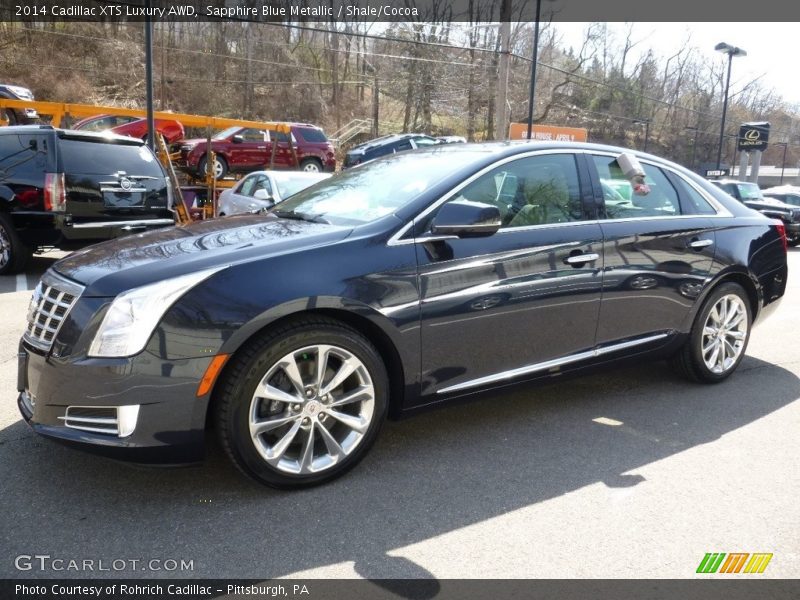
626 474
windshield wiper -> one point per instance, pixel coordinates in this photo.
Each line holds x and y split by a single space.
298 216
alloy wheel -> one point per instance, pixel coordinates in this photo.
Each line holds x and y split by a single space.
311 409
311 167
724 334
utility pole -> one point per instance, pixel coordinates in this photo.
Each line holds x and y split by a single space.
501 102
375 105
148 68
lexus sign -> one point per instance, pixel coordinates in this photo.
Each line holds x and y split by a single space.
753 136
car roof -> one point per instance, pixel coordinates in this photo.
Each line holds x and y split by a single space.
74 134
386 139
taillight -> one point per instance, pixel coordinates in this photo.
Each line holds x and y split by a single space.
782 232
55 192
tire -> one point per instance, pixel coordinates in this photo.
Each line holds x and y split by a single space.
702 359
10 116
311 165
279 454
14 255
221 167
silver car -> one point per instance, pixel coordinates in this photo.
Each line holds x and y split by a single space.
263 189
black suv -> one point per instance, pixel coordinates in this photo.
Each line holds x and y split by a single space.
749 194
67 189
388 144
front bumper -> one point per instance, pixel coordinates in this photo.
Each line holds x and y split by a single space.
169 422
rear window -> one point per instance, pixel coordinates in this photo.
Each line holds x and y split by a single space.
98 158
311 135
749 191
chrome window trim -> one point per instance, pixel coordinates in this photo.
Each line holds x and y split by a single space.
395 239
549 364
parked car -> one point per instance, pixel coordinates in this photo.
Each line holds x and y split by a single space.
750 194
66 189
17 116
788 194
263 189
171 129
388 144
244 149
418 278
452 139
102 122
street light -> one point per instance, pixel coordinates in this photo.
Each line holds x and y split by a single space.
731 51
694 145
783 163
646 123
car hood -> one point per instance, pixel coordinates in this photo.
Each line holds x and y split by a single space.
112 267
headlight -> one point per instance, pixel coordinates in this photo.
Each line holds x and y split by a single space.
133 315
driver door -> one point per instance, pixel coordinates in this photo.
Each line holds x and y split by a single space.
522 301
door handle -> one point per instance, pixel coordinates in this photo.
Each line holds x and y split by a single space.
698 244
577 259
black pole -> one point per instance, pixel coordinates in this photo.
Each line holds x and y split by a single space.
724 112
783 164
148 60
646 133
533 67
694 151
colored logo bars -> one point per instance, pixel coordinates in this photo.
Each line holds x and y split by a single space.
735 562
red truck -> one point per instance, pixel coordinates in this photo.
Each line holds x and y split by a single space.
244 149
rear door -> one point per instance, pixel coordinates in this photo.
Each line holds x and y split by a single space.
658 249
108 181
524 300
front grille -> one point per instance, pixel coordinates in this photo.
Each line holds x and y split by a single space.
52 300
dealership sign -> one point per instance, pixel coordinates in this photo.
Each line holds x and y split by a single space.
548 133
753 136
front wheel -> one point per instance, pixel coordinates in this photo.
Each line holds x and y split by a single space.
719 336
303 404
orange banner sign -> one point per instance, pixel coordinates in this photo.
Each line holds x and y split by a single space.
548 133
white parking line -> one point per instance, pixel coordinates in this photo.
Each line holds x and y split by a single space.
22 282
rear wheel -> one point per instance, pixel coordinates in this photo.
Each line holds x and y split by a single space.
311 165
719 336
303 404
14 255
220 167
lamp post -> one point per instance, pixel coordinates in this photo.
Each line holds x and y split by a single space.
694 146
646 123
731 51
533 67
783 163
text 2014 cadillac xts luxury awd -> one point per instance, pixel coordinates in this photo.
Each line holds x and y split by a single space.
401 283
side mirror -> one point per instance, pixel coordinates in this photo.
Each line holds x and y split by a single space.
237 139
464 218
262 194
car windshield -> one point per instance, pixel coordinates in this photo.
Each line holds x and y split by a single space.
376 189
225 133
291 184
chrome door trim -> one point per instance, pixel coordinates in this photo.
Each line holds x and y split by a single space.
582 258
549 364
700 243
